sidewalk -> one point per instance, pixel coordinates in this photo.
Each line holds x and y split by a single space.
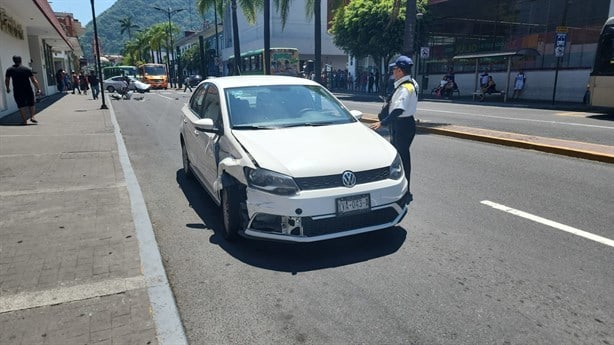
70 264
601 153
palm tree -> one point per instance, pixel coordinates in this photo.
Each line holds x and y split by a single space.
126 26
248 7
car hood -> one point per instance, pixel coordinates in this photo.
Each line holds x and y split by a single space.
317 151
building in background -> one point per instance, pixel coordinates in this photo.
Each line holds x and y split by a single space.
455 28
30 29
298 33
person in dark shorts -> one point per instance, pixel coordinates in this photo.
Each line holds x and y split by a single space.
22 90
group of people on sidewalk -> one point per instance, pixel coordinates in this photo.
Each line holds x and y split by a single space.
80 82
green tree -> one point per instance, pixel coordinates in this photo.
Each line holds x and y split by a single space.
248 7
125 24
357 29
190 59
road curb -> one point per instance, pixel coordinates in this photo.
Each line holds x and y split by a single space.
559 150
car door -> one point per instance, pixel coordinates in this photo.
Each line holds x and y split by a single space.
190 132
207 151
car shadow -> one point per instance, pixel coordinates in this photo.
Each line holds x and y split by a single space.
289 257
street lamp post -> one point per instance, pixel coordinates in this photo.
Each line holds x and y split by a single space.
169 51
97 57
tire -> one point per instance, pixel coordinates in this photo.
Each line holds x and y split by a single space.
111 89
187 171
231 213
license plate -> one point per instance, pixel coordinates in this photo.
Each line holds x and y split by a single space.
353 204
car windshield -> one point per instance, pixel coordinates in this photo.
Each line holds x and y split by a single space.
278 106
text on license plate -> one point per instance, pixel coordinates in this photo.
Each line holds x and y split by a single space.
353 204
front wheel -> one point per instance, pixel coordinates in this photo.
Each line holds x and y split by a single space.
111 89
231 213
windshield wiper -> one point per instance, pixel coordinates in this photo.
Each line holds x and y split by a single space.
252 127
312 124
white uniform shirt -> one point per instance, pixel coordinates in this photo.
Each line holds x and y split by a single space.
403 98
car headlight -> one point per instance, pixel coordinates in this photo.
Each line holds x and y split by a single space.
270 181
396 168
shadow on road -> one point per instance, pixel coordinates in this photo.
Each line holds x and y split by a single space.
289 257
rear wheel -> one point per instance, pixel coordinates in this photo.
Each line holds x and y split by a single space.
231 213
111 89
186 162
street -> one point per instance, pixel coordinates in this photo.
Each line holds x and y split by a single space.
457 270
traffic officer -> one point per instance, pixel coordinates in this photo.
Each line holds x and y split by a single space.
401 109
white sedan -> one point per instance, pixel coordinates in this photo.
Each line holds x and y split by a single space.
117 83
286 160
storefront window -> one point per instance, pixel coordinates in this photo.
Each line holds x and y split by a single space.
454 28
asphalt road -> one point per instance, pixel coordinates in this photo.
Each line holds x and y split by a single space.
593 128
456 270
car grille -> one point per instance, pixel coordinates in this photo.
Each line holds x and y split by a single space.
344 223
331 181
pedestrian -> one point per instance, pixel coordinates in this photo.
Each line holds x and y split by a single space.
187 84
519 83
75 83
22 90
83 83
95 84
59 80
401 108
483 79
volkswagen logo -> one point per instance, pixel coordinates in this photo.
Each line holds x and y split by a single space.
348 178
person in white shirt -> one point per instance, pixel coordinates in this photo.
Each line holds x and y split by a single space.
519 83
401 108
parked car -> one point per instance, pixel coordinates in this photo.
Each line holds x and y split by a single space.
286 160
116 83
194 79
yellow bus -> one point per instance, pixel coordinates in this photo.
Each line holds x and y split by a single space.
601 81
154 74
284 61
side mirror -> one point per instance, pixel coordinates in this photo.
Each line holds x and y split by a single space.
207 125
356 113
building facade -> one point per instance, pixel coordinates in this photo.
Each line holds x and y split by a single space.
454 28
30 29
297 33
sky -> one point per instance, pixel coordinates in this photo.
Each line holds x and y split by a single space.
81 9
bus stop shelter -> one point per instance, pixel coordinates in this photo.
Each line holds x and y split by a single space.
506 55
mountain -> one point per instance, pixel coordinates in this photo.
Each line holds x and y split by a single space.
144 15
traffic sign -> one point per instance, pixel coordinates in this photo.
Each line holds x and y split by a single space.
425 52
559 44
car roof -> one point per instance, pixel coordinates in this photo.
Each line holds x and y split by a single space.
254 80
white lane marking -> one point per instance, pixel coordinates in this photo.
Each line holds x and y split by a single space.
27 300
516 119
559 226
59 190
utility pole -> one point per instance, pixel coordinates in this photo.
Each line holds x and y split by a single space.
169 50
97 57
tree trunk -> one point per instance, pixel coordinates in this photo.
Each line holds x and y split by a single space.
408 32
267 37
235 39
317 13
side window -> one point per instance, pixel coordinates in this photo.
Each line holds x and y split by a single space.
211 108
197 100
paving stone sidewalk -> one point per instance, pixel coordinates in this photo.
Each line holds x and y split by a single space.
70 270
